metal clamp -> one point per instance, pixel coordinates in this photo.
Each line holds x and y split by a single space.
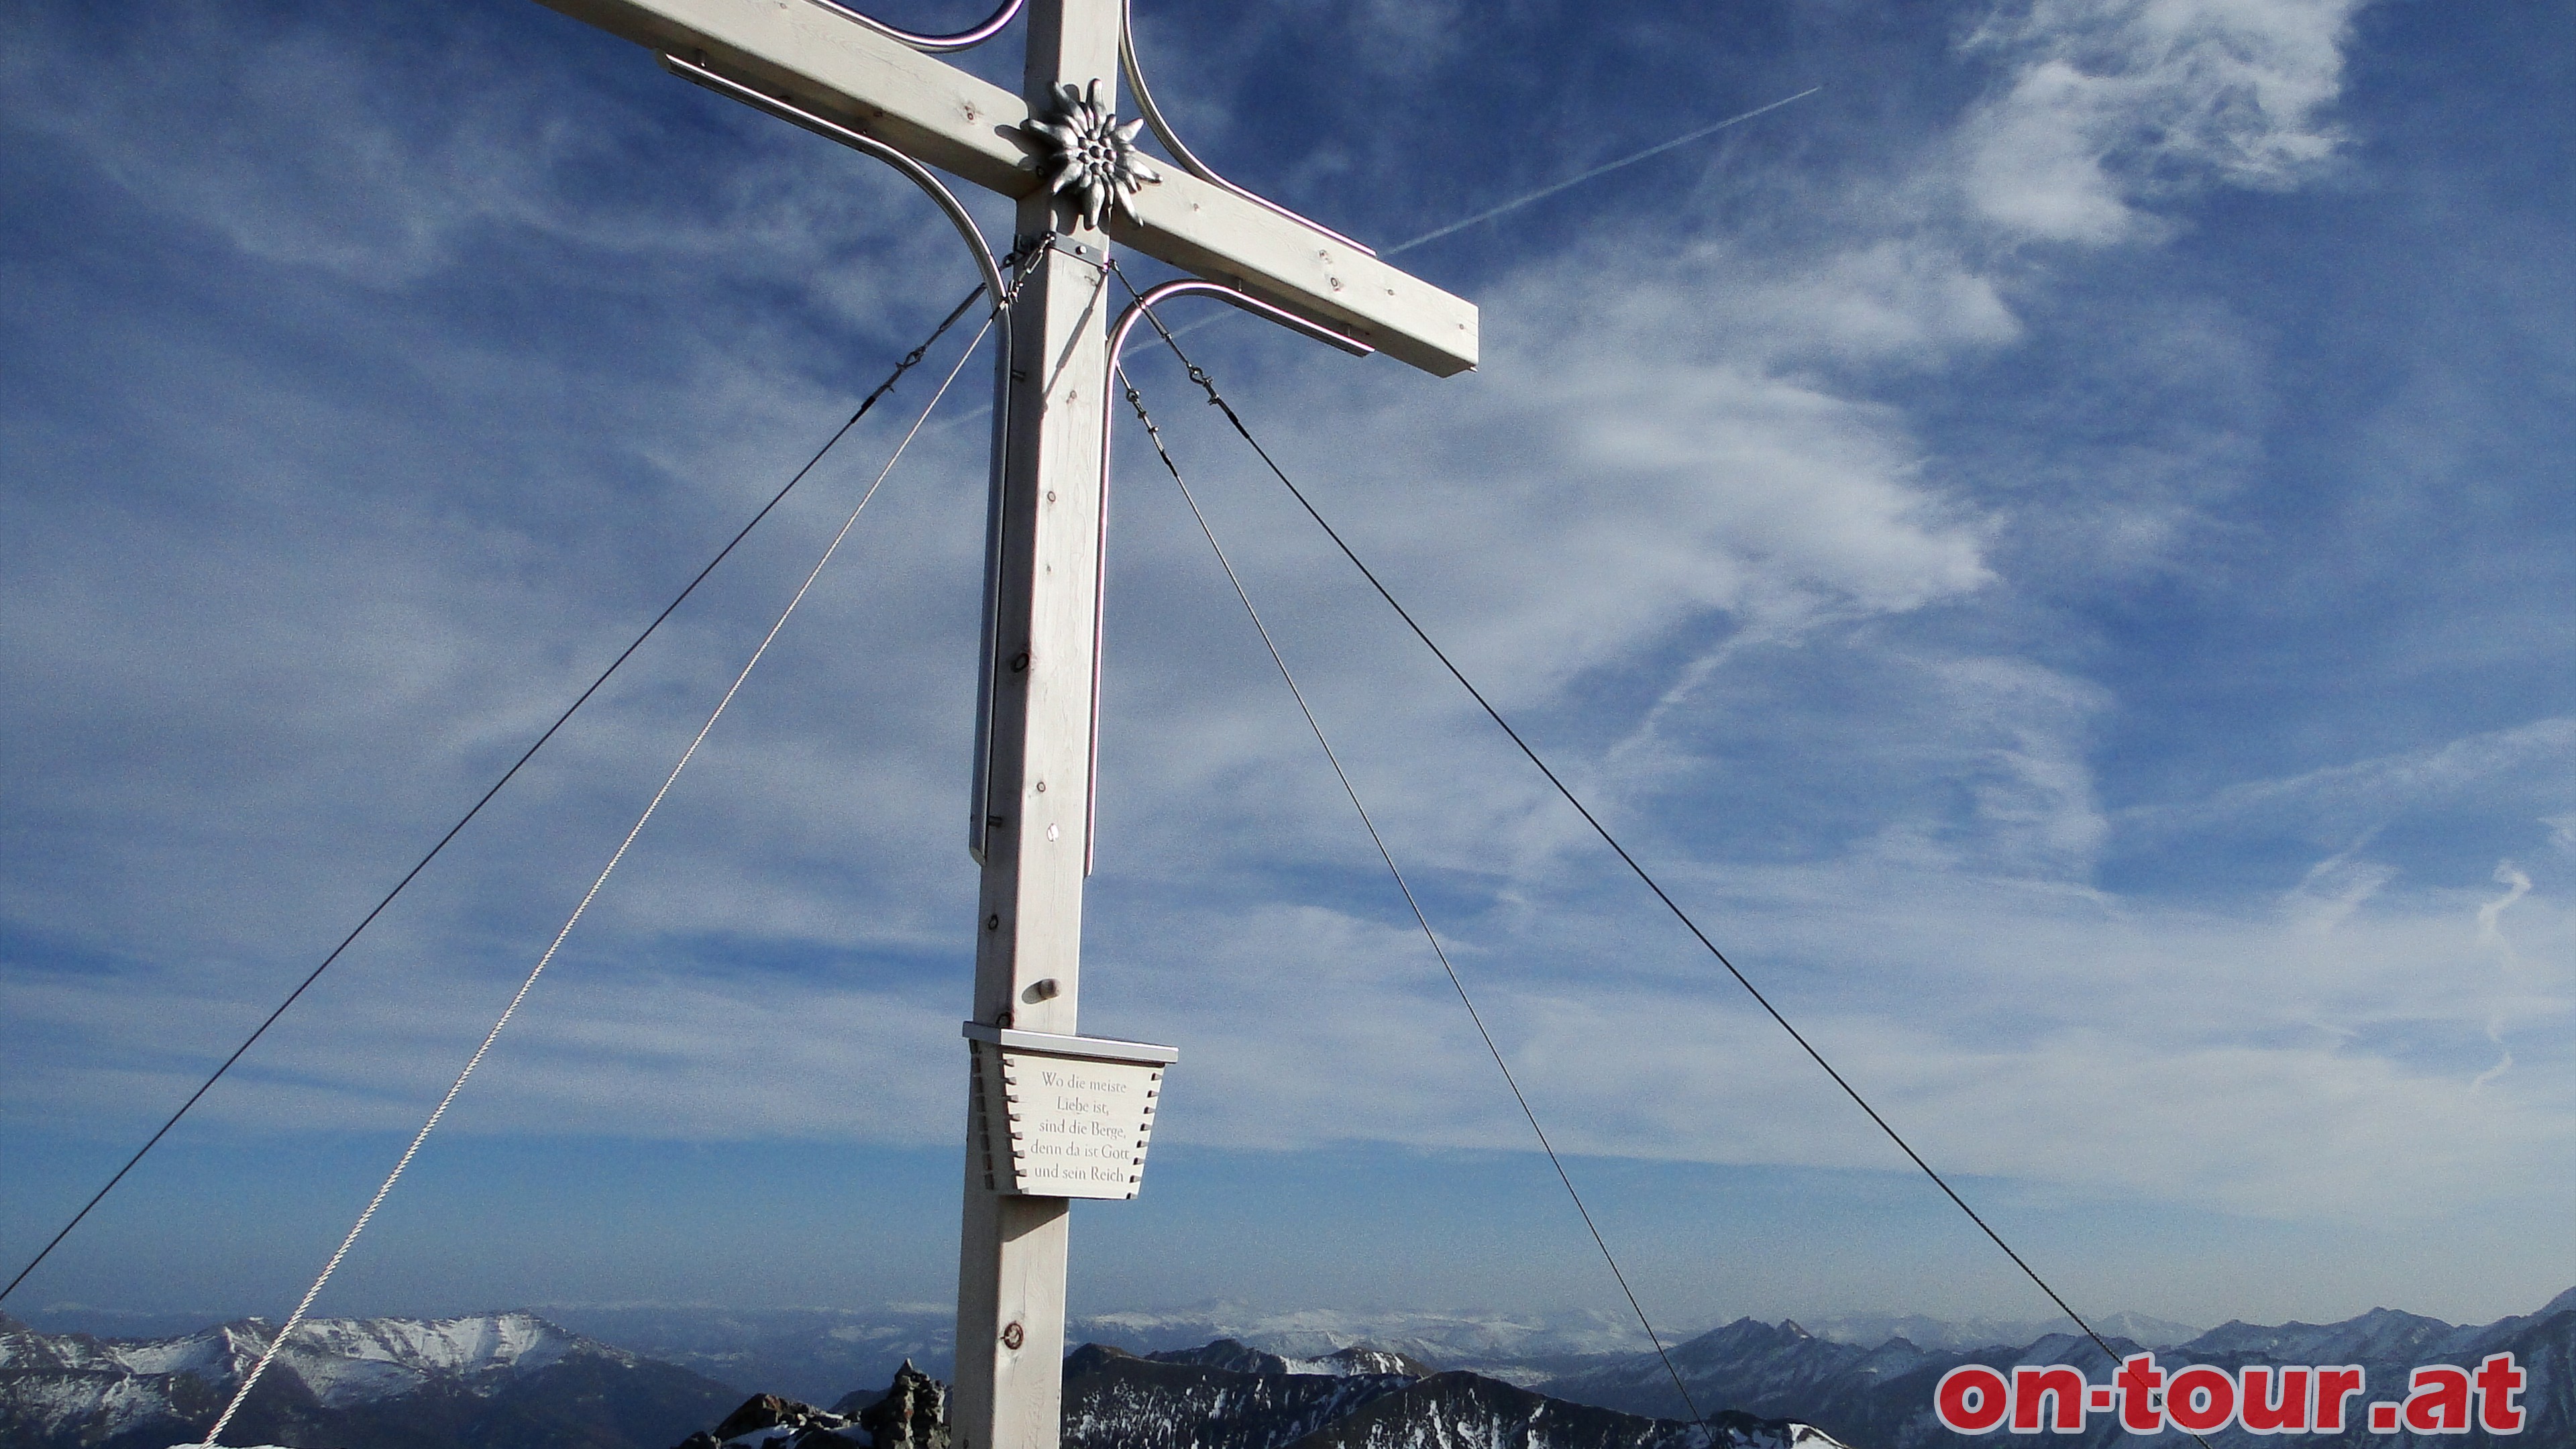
1082 1048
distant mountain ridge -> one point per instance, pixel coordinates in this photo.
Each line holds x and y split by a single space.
814 1354
518 1381
810 1354
1869 1330
1881 1397
1526 1348
1356 1361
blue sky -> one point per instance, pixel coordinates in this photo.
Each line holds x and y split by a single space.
2053 547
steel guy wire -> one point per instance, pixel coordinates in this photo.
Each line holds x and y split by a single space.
1136 400
910 360
1217 400
296 1319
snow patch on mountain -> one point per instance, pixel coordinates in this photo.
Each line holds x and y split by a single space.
348 1361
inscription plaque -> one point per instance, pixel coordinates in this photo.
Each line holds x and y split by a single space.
1064 1116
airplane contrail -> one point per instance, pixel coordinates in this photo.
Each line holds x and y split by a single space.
1603 169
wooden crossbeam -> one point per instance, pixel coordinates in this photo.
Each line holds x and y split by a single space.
812 56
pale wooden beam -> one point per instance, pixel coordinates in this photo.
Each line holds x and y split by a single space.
820 60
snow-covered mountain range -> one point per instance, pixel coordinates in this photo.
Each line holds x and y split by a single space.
1226 1395
1115 1400
495 1378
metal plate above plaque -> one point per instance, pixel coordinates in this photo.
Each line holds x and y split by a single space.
1064 1116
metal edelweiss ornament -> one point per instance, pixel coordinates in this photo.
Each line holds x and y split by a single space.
1093 159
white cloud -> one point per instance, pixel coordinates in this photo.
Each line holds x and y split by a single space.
2491 915
2111 104
2252 1061
2334 888
385 159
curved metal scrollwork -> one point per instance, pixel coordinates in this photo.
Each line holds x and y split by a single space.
937 44
1138 311
1162 130
913 171
1135 72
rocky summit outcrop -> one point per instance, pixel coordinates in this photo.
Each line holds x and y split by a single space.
911 1413
766 1421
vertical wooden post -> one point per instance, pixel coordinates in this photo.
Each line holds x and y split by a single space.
1011 1252
827 67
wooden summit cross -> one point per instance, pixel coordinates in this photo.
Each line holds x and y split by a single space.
1058 149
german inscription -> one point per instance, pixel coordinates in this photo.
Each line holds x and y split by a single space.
1075 1128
